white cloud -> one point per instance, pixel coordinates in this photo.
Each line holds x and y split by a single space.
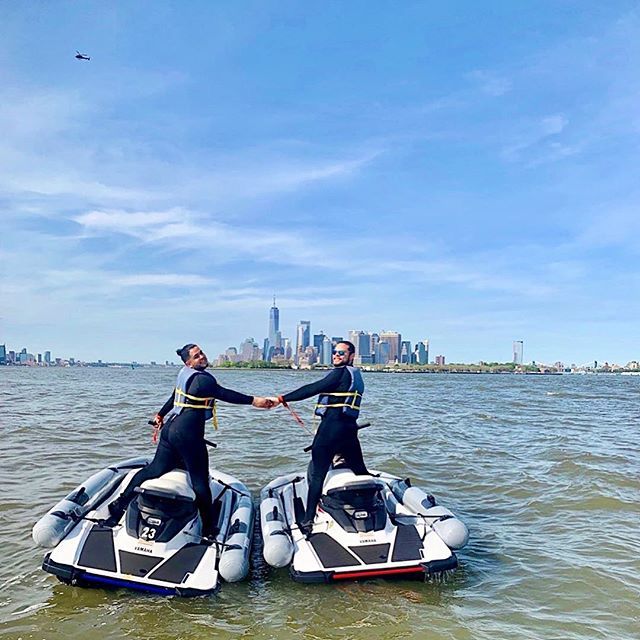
490 83
127 222
552 125
163 280
61 144
534 135
480 272
38 114
613 226
181 229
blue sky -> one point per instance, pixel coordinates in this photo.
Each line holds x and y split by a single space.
463 172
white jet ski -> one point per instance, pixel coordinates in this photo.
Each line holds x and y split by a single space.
157 544
365 526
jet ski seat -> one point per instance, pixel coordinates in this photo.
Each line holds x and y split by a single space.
169 500
176 482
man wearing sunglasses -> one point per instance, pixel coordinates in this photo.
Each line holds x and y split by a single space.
338 405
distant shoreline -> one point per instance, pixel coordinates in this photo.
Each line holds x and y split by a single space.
436 369
499 369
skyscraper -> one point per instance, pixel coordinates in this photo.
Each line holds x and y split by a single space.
3 354
274 326
362 343
249 350
326 351
518 351
273 342
422 352
394 340
405 352
382 352
231 355
303 335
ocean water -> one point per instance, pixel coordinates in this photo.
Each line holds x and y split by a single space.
544 470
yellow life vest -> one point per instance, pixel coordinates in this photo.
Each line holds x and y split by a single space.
183 400
195 402
352 398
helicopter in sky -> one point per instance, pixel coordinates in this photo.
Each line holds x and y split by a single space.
82 56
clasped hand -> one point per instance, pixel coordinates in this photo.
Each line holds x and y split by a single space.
265 403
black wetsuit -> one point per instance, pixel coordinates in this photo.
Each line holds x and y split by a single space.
337 434
182 445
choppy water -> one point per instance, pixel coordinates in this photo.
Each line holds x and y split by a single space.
544 471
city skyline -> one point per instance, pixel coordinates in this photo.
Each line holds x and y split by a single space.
369 348
250 351
440 169
315 348
377 347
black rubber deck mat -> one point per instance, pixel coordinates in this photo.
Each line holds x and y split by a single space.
184 561
136 564
407 545
372 553
331 553
98 551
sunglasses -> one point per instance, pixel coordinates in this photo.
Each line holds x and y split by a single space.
339 352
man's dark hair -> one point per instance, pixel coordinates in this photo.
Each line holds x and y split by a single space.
184 352
350 345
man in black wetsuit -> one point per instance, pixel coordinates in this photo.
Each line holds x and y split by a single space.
339 403
182 442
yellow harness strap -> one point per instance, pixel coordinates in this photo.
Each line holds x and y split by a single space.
197 403
214 416
346 394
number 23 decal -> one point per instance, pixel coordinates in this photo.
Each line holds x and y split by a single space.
148 533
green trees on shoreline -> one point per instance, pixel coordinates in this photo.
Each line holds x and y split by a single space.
483 367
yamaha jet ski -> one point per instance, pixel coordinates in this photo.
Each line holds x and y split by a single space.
157 544
365 526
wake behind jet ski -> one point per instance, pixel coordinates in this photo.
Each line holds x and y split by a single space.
365 526
157 545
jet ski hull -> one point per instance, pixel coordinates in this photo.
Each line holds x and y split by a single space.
362 529
157 545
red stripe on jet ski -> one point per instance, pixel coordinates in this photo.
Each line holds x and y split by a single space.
350 575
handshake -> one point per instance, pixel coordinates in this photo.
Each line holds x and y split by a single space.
266 403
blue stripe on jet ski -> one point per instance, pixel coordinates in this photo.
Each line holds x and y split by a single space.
165 591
